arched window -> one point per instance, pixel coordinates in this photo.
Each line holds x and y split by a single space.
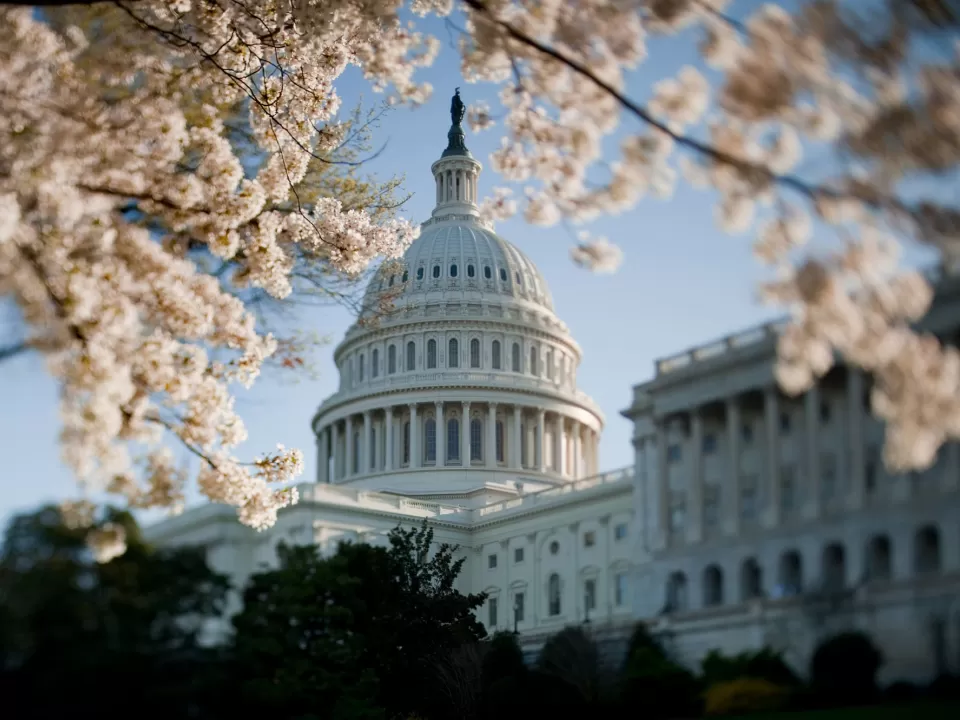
453 353
503 274
500 442
373 448
391 359
375 363
406 443
474 353
712 586
430 441
487 272
517 276
926 550
534 368
453 440
751 580
553 595
834 567
549 361
419 273
495 354
431 353
390 284
515 359
436 271
356 452
361 367
879 558
411 356
476 440
790 579
471 271
676 592
406 276
453 270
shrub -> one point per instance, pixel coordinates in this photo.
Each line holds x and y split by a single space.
765 664
745 695
573 657
661 687
503 658
843 670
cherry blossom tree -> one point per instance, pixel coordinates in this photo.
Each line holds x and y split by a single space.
146 343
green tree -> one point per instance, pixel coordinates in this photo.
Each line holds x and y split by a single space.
106 636
295 652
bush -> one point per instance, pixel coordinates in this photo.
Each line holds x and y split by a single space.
745 695
503 658
843 670
573 657
661 687
765 664
901 692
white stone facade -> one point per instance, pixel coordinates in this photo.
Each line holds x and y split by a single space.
764 519
749 518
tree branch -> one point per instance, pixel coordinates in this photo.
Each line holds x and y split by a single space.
13 350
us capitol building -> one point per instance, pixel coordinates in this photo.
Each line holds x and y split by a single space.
748 518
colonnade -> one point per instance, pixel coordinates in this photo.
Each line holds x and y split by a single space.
456 184
470 434
851 489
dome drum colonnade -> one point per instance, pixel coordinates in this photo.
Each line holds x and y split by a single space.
509 404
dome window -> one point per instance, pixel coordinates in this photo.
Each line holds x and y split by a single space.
453 270
390 284
406 276
487 272
436 271
419 273
503 274
517 276
471 271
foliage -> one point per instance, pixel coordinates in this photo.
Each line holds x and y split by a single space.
503 659
843 669
662 687
572 656
361 630
106 637
765 664
459 683
744 695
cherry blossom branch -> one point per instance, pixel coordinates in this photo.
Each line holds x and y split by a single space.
11 351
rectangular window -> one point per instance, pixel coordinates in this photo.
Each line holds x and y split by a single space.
499 428
476 440
589 539
709 444
871 469
825 412
406 443
784 423
373 448
678 512
523 445
620 589
746 433
491 561
518 603
828 476
453 440
674 453
788 488
748 501
590 594
430 441
518 555
620 531
711 506
492 608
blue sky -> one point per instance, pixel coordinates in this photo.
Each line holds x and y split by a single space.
683 283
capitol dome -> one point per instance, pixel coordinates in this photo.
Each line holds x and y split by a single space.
466 386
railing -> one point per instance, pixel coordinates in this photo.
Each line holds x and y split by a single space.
720 347
505 379
541 496
368 498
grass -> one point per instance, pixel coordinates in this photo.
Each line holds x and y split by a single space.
907 711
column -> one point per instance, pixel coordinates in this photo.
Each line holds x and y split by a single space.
558 448
535 580
365 451
663 487
441 435
577 580
856 466
348 468
516 459
490 451
811 416
322 456
414 437
733 490
388 428
539 460
335 441
771 410
695 496
576 436
465 436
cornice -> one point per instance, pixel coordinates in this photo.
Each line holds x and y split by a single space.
326 409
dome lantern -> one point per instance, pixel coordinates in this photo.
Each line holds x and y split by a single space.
456 172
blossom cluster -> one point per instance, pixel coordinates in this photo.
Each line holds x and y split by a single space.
850 87
144 343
